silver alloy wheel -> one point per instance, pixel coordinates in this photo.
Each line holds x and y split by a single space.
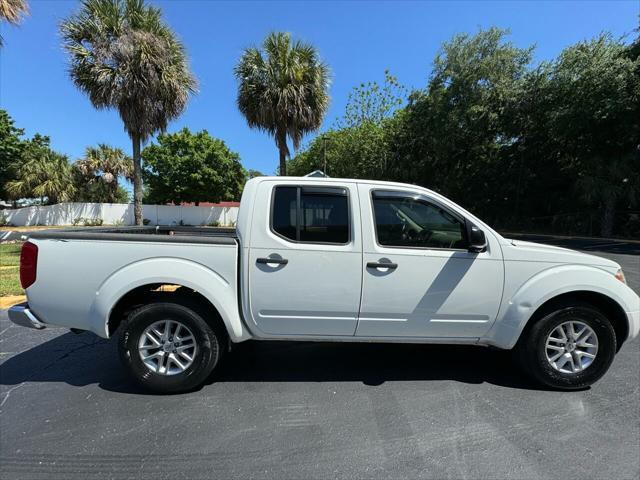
167 347
571 347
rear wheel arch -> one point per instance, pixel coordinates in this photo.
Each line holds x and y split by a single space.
169 293
168 346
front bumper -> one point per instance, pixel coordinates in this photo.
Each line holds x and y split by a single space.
634 324
21 315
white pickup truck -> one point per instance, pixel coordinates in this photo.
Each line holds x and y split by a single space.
329 260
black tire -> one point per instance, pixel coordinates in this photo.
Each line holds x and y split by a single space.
210 342
531 349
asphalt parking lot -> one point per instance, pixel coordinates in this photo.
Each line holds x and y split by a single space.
313 410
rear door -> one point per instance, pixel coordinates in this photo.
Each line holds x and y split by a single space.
305 259
420 280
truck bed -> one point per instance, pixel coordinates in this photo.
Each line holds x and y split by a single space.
164 234
92 268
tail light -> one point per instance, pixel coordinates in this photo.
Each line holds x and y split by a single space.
28 264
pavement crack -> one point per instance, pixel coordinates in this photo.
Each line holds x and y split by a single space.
2 332
8 394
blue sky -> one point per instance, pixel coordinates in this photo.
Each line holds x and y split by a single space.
358 39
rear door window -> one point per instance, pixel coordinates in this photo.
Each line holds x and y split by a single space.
311 214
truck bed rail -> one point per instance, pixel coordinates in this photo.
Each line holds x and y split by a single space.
164 234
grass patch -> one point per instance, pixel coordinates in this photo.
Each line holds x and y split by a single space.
10 254
10 270
10 282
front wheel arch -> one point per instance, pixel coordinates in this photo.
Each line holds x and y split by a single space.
608 306
531 352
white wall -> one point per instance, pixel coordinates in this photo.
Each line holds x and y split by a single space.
110 213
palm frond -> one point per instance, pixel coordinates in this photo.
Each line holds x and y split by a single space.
12 11
123 56
283 88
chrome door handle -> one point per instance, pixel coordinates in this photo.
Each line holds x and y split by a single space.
388 265
279 261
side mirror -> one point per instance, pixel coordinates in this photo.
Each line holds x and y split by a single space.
477 240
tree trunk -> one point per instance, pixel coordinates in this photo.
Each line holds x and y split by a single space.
281 143
283 162
111 192
608 214
137 180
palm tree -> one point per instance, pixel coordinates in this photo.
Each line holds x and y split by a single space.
123 56
12 11
45 174
105 165
283 90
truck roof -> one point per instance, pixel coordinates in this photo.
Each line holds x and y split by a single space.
306 179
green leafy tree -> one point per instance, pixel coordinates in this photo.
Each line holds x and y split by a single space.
42 173
188 167
359 146
355 152
371 102
12 11
97 192
11 147
104 165
532 148
123 56
458 133
594 127
283 90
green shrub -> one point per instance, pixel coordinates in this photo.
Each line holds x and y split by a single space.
92 222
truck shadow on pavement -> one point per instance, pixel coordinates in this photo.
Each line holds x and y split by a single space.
85 359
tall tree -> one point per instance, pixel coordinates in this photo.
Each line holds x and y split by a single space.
594 127
104 165
371 102
192 167
11 147
361 135
12 12
283 90
458 129
123 56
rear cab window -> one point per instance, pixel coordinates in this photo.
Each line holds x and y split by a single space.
309 214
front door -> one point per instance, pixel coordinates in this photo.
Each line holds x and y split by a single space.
419 278
305 267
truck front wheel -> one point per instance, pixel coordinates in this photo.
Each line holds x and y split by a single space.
169 347
569 348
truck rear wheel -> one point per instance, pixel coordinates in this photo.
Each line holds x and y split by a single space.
569 348
169 347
